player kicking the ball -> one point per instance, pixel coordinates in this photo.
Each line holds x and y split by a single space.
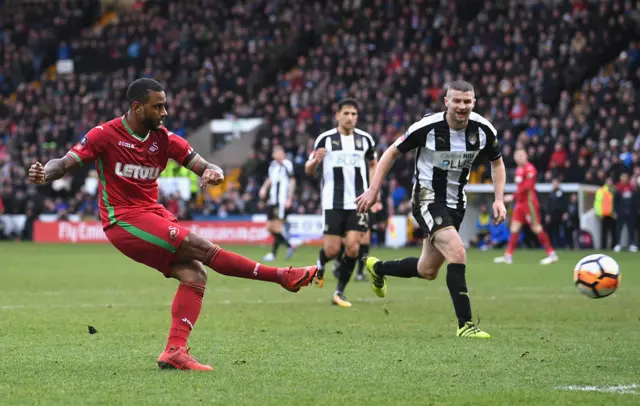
130 152
447 143
527 208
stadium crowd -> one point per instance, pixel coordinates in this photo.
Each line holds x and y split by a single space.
393 56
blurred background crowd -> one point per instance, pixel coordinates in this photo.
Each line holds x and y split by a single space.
559 78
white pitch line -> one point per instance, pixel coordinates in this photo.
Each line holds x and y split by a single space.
620 389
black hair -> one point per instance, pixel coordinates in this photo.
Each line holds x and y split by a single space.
461 86
138 90
348 102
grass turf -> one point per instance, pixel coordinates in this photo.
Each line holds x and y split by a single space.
270 346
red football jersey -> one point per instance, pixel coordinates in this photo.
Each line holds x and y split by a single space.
526 181
129 165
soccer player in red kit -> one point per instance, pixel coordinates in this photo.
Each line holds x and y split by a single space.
130 152
527 209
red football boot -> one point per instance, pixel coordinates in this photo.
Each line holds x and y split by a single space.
292 279
179 358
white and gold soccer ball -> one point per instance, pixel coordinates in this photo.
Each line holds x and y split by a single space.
597 276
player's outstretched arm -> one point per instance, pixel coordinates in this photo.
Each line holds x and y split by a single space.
499 176
370 196
54 169
209 173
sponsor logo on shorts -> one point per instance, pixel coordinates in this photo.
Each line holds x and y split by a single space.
438 220
84 141
255 270
153 149
173 232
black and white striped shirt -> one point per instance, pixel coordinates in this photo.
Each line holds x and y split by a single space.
345 167
280 174
444 156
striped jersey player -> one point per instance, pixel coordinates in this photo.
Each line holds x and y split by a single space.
280 186
347 156
446 145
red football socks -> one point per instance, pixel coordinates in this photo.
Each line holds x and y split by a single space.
184 313
544 241
230 264
513 241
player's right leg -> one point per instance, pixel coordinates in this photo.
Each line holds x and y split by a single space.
518 218
332 241
428 266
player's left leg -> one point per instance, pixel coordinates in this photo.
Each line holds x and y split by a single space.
448 242
230 264
346 266
543 237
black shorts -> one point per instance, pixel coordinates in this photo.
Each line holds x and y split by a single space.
338 222
436 216
373 220
277 212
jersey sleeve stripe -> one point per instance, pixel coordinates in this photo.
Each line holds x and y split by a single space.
193 161
76 157
105 195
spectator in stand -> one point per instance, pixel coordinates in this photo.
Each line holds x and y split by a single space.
571 220
482 237
604 209
557 207
626 209
396 72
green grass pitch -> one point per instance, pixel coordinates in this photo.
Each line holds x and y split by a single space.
270 346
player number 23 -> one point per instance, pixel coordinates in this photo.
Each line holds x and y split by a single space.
363 219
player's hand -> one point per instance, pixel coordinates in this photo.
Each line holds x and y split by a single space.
320 154
36 174
366 200
499 212
288 204
508 198
211 177
262 194
376 207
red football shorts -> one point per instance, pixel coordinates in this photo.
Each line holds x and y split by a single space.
150 237
526 213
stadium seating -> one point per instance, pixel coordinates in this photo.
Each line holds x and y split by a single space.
394 59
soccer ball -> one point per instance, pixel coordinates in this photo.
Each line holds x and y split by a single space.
596 276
